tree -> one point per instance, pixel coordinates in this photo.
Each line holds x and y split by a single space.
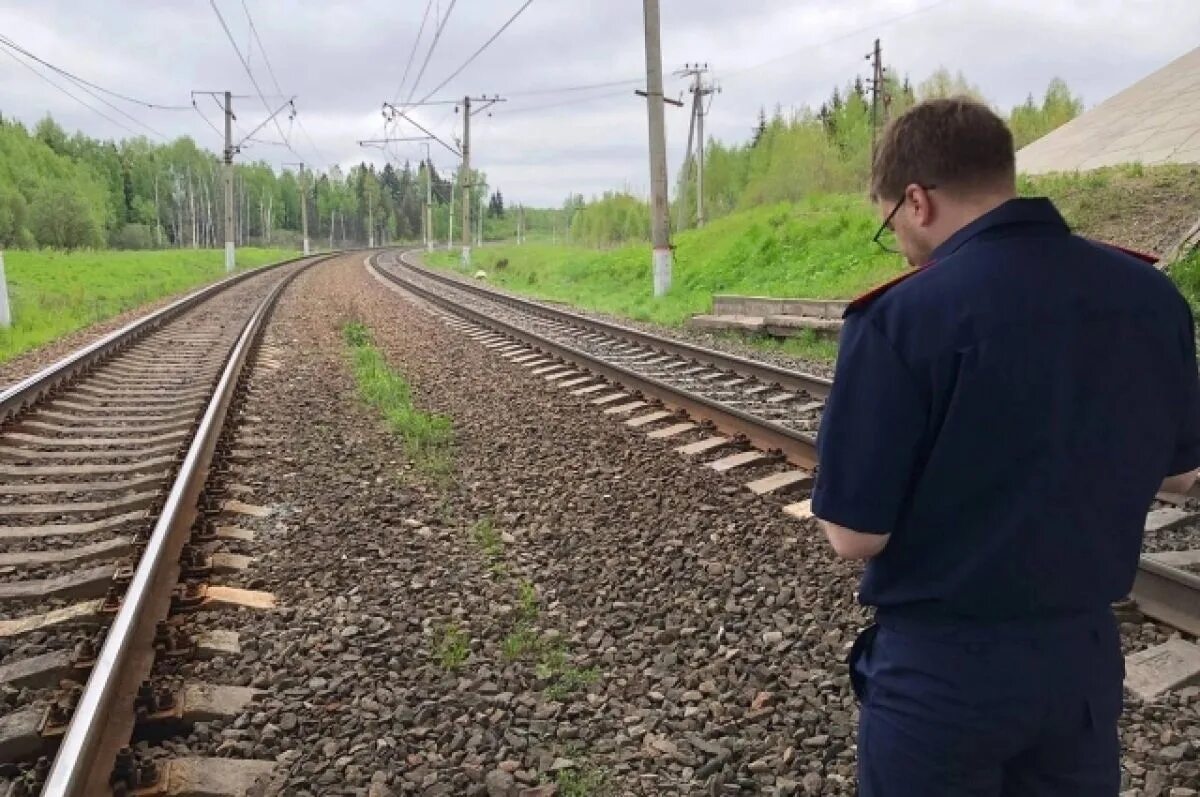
760 129
941 84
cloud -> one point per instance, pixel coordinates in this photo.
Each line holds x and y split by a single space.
344 59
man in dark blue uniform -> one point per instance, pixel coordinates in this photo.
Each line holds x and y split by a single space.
1001 418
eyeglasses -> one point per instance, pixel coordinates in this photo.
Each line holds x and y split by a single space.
889 245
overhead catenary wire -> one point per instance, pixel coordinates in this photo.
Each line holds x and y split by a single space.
478 52
84 82
874 26
91 108
428 55
413 52
262 50
250 74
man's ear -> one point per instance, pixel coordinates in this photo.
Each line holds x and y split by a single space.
918 199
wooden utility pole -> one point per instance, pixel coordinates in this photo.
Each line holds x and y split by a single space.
660 224
230 257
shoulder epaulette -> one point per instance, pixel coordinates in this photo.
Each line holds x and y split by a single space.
859 302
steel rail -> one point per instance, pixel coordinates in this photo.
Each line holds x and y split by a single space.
797 447
85 757
764 372
24 393
1168 594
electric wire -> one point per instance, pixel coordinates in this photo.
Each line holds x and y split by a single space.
92 108
152 105
478 52
413 52
425 64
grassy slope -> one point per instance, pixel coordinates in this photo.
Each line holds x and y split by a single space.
54 293
821 248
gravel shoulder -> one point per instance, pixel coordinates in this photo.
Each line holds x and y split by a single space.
575 611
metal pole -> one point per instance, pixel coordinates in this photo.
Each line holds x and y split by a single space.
5 309
428 200
464 177
230 257
660 225
876 79
699 152
450 215
304 208
370 221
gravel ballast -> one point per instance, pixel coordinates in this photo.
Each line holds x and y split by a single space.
576 609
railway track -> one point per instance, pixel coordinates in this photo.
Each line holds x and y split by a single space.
774 412
104 459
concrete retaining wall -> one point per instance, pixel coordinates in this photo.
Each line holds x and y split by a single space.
762 306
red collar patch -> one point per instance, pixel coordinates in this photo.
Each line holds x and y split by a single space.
1145 257
865 299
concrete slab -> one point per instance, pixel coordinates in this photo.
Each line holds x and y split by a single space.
233 533
108 549
629 406
1167 518
1131 126
37 672
800 511
19 737
777 481
1177 558
225 563
648 418
702 446
208 702
722 323
218 642
77 614
15 533
587 391
91 583
240 508
215 777
1159 669
609 399
234 597
576 382
736 461
671 431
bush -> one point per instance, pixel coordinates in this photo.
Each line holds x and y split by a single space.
134 236
60 218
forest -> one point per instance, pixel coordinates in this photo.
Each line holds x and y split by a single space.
796 153
72 191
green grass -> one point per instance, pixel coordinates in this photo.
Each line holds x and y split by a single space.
818 248
1186 274
427 437
453 648
54 293
583 782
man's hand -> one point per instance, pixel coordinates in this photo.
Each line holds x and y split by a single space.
1179 484
850 544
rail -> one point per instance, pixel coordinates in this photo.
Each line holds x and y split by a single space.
97 728
764 372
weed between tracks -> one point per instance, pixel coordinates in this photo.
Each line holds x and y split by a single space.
427 437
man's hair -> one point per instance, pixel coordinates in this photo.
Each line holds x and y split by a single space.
955 144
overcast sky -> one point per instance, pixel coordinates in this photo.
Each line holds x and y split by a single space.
343 59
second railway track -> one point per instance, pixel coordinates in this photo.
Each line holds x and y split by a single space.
774 409
102 459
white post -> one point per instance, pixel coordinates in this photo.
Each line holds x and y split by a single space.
5 310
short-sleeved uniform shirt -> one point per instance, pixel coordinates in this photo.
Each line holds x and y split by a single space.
1007 414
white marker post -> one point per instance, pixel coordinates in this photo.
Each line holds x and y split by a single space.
5 311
